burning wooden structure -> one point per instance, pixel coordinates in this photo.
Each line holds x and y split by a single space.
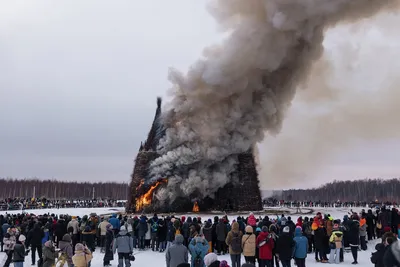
244 195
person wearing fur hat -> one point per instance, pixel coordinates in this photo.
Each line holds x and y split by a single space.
82 257
211 260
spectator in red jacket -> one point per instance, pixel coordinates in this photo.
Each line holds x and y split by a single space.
265 244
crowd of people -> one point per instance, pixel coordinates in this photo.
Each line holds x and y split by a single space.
266 242
274 202
43 203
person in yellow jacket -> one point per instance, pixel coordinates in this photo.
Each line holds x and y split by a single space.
335 242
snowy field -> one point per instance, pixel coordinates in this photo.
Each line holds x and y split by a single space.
150 259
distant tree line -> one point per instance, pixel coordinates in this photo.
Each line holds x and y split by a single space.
360 190
52 189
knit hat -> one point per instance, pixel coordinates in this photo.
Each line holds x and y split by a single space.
80 247
183 265
286 229
258 229
48 244
265 229
21 238
109 226
223 264
210 258
67 238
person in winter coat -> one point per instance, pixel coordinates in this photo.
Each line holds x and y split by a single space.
370 225
88 238
336 244
284 247
108 246
176 253
300 248
307 231
34 240
74 224
82 257
9 241
186 230
273 232
363 232
124 244
392 254
207 233
103 231
66 250
60 229
198 248
211 260
377 256
234 241
354 237
214 233
252 220
4 228
49 254
291 224
162 235
265 245
153 222
222 232
320 235
142 230
249 245
19 252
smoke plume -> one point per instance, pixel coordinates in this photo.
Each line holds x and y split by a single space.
352 97
242 89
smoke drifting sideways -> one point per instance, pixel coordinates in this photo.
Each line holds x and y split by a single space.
241 90
351 101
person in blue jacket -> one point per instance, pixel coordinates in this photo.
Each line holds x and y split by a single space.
116 224
198 248
301 248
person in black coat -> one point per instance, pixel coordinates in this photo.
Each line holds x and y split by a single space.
391 258
354 237
108 255
284 247
370 225
320 236
162 235
377 256
34 239
60 230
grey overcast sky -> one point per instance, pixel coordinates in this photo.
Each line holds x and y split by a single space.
79 81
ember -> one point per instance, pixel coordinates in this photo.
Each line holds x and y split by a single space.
147 197
196 207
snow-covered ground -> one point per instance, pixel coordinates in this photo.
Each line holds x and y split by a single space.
149 258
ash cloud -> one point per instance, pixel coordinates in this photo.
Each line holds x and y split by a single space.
240 91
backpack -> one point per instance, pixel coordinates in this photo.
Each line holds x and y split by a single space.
154 227
236 243
198 261
307 229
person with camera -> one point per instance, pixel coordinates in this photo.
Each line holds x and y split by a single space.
83 256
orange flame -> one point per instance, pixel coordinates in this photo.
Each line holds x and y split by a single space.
196 207
147 197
